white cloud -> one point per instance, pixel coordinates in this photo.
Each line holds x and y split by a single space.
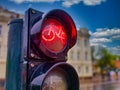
68 3
100 40
90 32
93 2
13 10
116 37
115 50
106 32
65 3
47 1
94 44
97 44
108 37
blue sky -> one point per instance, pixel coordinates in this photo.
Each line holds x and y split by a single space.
101 17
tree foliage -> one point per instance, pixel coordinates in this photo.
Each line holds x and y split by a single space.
106 58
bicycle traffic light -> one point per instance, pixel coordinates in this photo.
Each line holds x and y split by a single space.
46 41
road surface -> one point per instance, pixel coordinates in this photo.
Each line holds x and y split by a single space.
115 85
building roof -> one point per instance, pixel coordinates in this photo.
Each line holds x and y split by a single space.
6 15
83 32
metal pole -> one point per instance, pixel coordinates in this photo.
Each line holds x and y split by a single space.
13 67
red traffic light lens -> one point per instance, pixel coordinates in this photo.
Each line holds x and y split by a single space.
53 35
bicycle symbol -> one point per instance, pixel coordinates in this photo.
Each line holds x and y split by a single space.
52 32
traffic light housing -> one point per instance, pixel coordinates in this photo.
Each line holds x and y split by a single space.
46 41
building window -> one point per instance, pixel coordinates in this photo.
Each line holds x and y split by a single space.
78 43
71 54
0 50
0 30
86 56
79 69
87 69
78 55
86 42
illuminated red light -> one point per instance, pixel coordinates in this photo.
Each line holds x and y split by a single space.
53 35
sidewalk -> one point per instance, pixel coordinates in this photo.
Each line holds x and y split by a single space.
1 88
97 81
106 85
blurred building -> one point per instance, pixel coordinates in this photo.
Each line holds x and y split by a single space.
117 62
80 55
5 17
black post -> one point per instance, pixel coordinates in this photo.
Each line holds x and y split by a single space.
13 67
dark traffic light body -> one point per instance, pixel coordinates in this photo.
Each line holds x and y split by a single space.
45 43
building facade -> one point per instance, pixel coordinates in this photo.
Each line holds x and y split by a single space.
5 17
80 55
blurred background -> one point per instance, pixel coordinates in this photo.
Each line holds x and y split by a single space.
95 56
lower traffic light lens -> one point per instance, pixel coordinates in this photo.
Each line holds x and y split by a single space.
51 76
55 80
53 35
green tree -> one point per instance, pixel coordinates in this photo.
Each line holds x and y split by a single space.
107 60
102 57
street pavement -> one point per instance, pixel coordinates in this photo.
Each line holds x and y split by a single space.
108 85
